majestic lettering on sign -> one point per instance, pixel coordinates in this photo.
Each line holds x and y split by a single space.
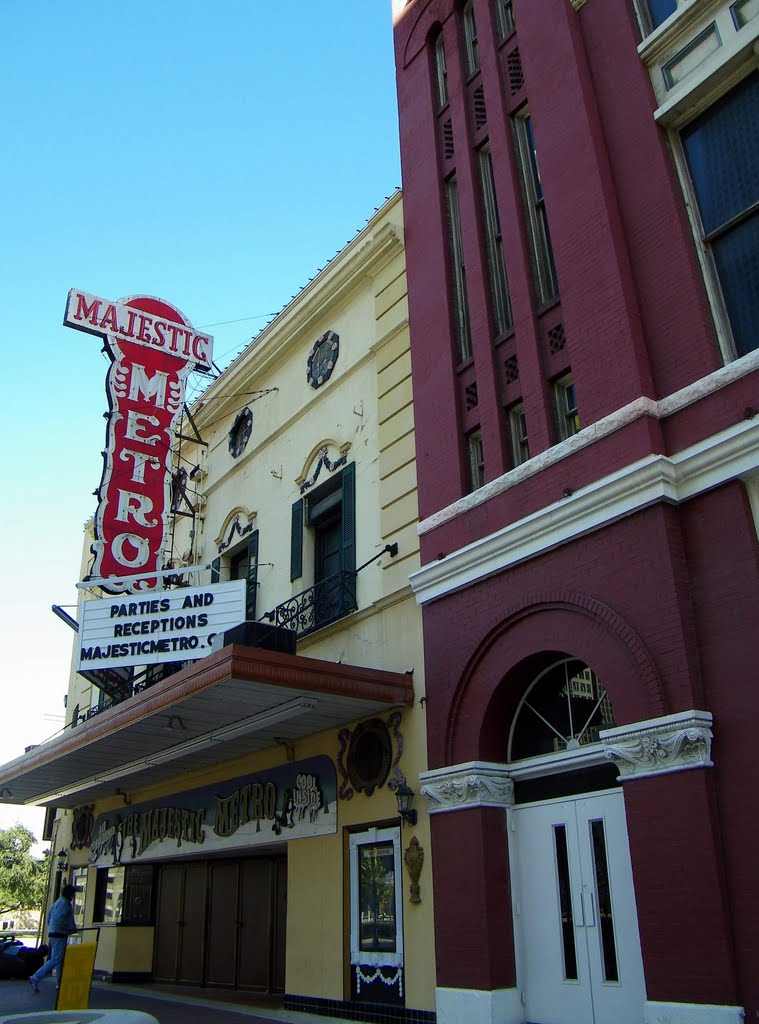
288 802
144 828
128 322
153 348
249 803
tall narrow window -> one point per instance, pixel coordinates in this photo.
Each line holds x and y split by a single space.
441 72
244 566
376 906
460 304
504 13
499 286
566 407
545 272
476 460
520 448
722 152
470 39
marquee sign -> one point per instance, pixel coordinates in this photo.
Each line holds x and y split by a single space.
153 348
293 801
145 629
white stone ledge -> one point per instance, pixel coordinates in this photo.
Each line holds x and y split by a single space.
690 1013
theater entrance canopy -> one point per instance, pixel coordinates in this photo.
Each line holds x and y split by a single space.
235 701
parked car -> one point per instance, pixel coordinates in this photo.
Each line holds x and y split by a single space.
18 960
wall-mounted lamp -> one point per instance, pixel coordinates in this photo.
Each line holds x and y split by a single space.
404 794
62 857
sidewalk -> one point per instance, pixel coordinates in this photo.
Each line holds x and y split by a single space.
167 1006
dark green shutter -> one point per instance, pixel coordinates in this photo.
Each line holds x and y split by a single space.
348 521
296 541
252 578
215 570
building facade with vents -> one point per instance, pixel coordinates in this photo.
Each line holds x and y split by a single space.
581 197
233 821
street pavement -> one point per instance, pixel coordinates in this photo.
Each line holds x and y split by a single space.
168 1007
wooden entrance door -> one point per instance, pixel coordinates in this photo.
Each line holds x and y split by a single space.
223 924
180 923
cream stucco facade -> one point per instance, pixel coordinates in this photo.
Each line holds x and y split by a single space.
263 445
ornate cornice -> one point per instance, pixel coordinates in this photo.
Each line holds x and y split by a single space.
670 744
658 746
475 784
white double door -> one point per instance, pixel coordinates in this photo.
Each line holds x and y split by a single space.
576 925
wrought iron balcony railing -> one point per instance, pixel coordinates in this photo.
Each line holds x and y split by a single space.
325 602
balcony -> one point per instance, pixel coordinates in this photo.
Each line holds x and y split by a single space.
327 601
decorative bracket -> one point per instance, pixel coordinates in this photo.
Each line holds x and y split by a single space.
673 743
473 784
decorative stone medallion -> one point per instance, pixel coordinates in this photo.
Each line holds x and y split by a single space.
322 360
240 433
369 755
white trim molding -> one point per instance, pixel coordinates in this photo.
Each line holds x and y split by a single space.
673 743
462 786
731 454
475 1006
690 1013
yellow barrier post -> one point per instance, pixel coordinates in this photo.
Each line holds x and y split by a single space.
76 974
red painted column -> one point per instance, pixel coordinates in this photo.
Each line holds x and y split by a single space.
473 925
680 889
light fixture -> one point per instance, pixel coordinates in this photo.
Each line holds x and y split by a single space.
404 794
62 865
5 794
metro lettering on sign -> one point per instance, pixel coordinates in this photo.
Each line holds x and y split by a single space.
153 348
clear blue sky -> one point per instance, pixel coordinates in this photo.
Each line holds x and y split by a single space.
212 154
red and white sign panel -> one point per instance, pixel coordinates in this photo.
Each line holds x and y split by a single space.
153 348
145 629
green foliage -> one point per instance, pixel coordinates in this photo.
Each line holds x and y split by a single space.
23 878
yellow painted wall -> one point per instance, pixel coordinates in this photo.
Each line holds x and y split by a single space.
365 410
125 949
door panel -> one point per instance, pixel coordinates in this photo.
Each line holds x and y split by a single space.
553 964
574 912
192 943
223 924
168 916
254 950
279 941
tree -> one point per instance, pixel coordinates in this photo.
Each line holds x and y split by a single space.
23 878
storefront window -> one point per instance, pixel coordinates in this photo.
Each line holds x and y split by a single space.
79 880
376 886
124 895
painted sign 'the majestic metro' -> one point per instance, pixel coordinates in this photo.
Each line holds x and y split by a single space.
153 348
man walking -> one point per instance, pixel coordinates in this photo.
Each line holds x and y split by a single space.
60 924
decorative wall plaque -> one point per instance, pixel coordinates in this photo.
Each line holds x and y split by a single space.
369 755
240 433
322 360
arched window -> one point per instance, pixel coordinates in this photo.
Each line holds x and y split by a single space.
564 708
441 71
471 44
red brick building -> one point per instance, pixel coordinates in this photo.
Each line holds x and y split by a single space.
581 194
